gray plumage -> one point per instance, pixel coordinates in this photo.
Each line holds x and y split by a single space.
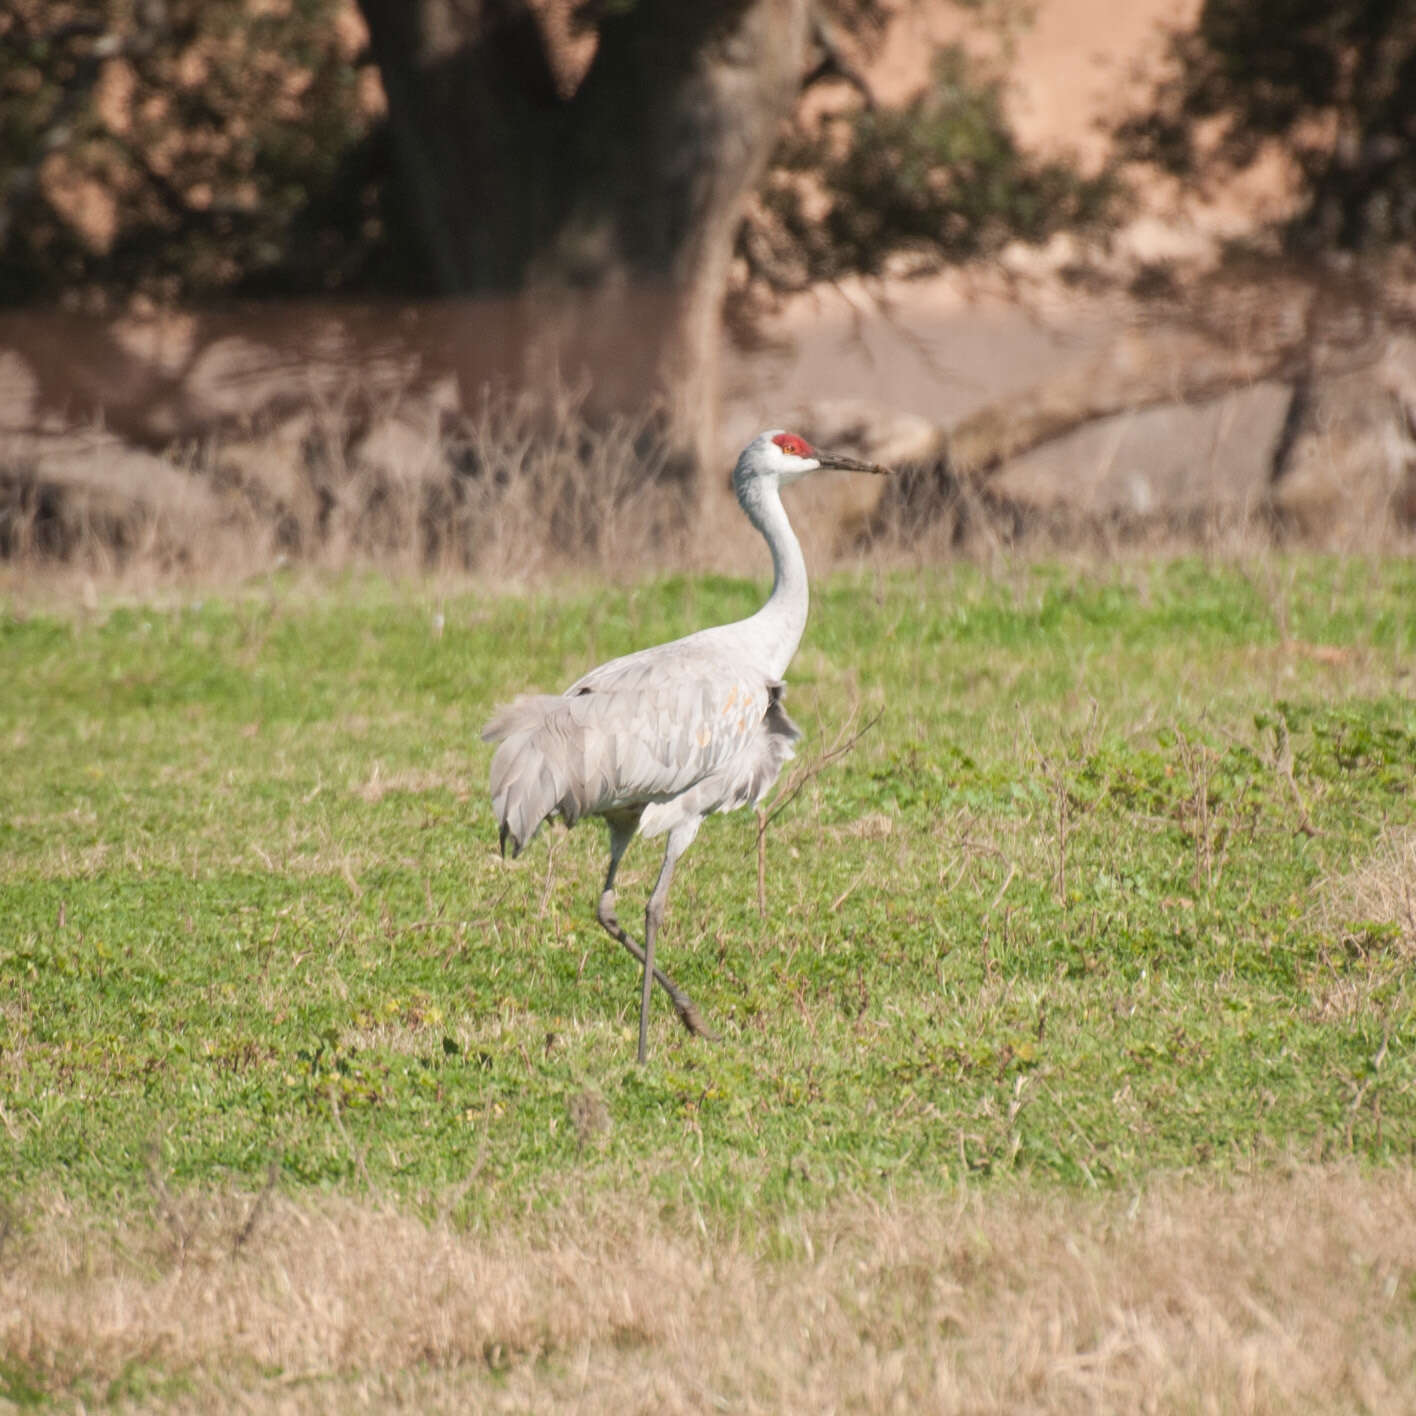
673 732
656 741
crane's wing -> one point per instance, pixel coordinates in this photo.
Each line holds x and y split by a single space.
742 779
643 729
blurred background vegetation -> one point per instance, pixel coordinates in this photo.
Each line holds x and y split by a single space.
173 149
177 149
1333 82
591 189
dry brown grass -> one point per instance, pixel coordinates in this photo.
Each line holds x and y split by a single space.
1383 888
1369 914
1279 1293
517 489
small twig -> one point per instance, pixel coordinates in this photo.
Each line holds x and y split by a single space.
762 862
834 65
550 876
162 1197
1359 1091
841 898
347 873
967 843
792 788
1064 826
1380 1055
1283 764
454 1197
355 1153
1056 774
1003 888
798 780
258 1208
1199 762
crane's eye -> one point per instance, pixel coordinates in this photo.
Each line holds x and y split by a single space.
790 443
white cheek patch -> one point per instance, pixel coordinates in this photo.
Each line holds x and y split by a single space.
795 467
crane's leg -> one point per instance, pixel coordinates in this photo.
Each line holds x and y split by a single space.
680 838
621 834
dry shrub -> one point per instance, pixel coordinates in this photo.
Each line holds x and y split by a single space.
544 485
1263 1294
933 510
523 484
522 487
87 501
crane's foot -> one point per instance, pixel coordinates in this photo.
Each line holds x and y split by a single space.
690 1017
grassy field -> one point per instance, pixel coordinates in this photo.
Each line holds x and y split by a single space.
1101 934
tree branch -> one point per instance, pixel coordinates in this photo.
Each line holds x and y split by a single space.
792 788
833 64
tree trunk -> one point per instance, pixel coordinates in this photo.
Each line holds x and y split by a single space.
610 212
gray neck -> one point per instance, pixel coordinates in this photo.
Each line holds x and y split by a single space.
776 629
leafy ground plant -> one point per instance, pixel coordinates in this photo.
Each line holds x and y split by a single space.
1113 891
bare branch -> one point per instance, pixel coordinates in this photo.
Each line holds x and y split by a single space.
833 64
258 1207
790 789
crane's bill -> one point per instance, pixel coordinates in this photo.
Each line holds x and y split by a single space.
838 461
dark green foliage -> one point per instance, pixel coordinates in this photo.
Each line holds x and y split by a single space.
1332 81
197 148
180 149
939 180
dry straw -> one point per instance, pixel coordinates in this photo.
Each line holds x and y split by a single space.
1266 1294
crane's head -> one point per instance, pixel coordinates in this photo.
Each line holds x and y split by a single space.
781 457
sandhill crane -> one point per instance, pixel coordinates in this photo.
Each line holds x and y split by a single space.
655 741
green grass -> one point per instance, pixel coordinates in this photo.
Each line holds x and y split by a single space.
1075 911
